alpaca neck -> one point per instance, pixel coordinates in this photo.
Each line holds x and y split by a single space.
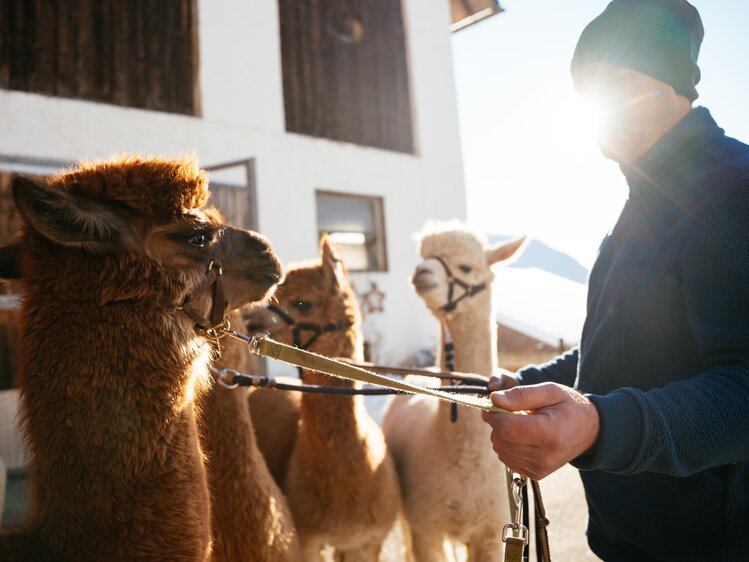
474 341
226 432
472 335
331 422
249 518
324 415
114 425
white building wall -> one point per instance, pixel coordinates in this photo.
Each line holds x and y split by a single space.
243 116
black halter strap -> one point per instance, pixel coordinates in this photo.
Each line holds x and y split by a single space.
214 278
448 350
452 304
452 281
299 327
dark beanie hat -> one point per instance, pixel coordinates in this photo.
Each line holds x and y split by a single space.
660 38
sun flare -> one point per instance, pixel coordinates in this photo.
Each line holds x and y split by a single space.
592 113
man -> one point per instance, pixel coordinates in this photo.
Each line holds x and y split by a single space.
658 421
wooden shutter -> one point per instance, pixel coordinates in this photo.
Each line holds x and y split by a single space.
345 71
135 53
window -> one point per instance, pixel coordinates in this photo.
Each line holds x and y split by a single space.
136 54
356 225
232 187
345 71
10 222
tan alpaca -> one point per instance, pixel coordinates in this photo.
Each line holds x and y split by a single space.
109 253
453 485
341 483
250 518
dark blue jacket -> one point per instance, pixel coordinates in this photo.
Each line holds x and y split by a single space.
664 356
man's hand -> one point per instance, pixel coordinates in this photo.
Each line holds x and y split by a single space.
560 425
502 380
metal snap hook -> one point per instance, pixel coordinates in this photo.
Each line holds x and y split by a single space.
225 380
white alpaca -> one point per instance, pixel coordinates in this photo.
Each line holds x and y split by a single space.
454 488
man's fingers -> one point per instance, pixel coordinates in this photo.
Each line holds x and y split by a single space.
518 429
522 465
531 397
502 380
495 383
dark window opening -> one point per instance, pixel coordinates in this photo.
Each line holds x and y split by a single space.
345 71
355 223
137 54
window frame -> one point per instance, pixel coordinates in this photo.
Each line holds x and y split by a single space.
379 251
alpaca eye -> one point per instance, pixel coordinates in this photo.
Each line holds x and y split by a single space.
303 306
465 268
199 240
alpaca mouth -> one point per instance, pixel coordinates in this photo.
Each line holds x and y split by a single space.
269 271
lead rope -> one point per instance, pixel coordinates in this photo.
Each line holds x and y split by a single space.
543 553
515 534
261 344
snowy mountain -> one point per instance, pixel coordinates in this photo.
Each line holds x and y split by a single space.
537 254
542 294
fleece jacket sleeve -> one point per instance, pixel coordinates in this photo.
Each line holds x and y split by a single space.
691 425
562 369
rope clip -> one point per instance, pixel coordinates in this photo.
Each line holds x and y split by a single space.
226 378
255 341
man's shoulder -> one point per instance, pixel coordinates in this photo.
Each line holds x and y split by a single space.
725 215
733 155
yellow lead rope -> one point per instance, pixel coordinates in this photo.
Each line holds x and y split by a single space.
262 345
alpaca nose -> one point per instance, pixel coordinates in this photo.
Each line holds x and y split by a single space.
423 278
420 271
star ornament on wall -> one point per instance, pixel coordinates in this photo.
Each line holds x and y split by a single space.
373 300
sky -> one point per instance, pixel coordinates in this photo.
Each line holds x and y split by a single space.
531 165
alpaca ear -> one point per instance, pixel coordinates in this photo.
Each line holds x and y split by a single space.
214 214
506 252
10 261
70 220
332 263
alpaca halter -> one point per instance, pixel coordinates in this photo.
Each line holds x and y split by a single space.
452 304
448 350
452 281
299 327
214 278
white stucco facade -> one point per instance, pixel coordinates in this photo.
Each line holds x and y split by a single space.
242 116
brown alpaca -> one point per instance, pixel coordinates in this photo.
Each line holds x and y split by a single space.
249 515
250 519
275 417
341 482
108 361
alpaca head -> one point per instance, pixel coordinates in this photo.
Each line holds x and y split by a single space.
316 308
134 230
456 273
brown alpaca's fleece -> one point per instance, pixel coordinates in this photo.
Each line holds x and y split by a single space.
275 416
341 482
107 372
249 515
